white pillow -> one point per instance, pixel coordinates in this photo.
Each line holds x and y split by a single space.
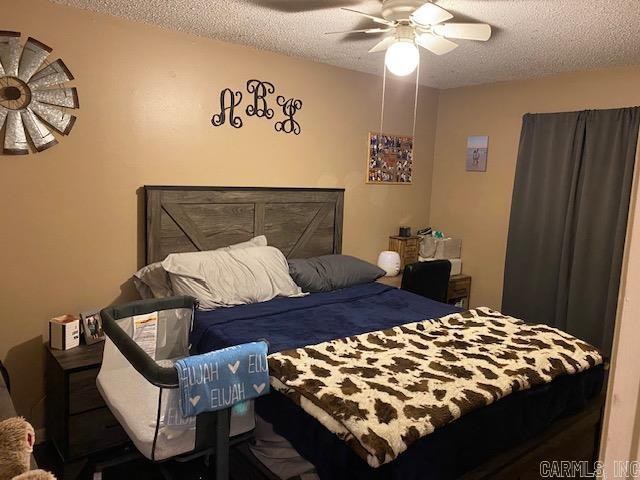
153 281
225 278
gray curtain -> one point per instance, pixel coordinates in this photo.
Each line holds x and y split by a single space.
568 220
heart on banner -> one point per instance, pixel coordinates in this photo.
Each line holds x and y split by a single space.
259 388
234 368
194 400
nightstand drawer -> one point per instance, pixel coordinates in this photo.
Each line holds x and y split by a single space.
411 251
83 392
459 287
93 431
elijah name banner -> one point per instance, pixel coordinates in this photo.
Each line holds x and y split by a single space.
223 378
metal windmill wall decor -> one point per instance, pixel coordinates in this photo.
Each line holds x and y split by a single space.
32 97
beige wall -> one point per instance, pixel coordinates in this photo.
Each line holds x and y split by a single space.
70 233
475 206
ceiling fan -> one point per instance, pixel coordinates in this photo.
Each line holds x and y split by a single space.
416 22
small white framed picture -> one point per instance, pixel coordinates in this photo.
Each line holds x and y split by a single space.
477 153
92 326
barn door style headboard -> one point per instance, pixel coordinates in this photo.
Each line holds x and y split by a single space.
301 222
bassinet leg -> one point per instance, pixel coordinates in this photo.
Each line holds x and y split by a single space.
222 444
166 475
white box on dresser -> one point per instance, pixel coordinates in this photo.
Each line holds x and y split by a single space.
64 332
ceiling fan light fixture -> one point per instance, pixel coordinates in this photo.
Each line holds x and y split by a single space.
402 57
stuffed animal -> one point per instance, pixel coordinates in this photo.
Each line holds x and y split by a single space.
16 444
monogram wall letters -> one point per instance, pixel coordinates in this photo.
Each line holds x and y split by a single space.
234 99
260 90
289 108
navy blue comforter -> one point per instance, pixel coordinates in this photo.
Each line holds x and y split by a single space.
295 322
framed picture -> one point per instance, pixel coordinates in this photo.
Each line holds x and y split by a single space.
92 326
390 159
477 152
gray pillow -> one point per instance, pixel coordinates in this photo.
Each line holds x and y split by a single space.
330 272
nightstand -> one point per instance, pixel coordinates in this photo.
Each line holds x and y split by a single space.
458 293
77 419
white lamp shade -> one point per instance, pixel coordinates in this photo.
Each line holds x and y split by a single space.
389 262
402 57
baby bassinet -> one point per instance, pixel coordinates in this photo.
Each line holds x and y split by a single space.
139 383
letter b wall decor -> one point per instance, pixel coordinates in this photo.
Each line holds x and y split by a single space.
258 91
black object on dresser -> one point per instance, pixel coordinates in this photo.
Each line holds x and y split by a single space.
429 279
77 419
457 294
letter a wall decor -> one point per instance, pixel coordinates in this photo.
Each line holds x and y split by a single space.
32 97
258 92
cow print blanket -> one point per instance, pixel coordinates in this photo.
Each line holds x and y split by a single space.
382 391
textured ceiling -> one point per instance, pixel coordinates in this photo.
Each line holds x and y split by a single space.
531 37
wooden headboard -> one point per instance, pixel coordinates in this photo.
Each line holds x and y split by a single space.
301 222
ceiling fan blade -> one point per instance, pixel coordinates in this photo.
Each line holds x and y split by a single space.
383 44
464 31
430 14
365 30
435 44
371 17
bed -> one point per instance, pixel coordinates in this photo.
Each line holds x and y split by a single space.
308 222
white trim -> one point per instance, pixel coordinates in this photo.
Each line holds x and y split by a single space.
621 425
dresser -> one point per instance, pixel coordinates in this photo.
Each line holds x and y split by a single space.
458 293
77 419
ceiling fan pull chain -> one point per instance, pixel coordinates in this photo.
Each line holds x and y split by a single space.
384 87
415 105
